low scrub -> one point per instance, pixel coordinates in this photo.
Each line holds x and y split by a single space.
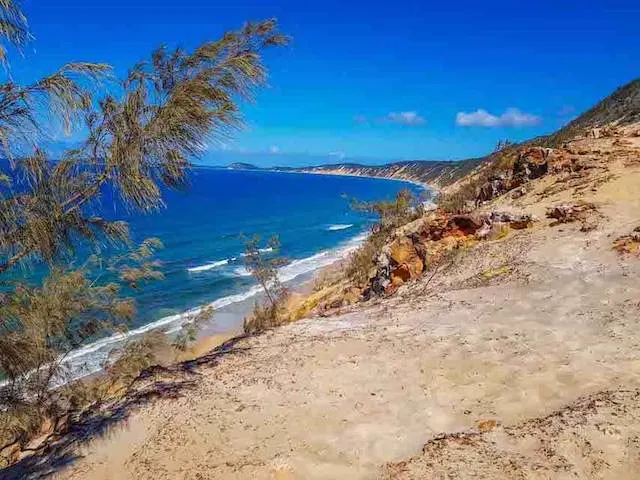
263 264
403 209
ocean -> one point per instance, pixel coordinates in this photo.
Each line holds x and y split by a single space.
201 231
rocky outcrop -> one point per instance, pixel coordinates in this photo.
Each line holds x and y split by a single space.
530 163
421 245
628 244
570 212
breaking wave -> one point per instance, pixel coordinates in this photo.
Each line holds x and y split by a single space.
339 226
90 358
208 266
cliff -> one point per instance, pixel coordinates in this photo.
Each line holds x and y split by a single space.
436 174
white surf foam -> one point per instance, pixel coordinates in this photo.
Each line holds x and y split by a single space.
208 266
90 358
263 250
339 226
241 272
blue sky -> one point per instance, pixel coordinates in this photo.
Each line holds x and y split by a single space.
373 81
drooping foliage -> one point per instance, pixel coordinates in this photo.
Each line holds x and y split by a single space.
263 262
135 137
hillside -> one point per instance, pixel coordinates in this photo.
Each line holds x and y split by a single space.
620 109
435 173
502 343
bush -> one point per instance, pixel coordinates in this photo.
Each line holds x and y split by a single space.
391 215
264 269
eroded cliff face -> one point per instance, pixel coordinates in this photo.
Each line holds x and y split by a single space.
436 174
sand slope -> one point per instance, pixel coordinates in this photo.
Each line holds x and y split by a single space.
534 338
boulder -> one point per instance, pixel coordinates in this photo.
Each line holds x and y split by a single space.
515 220
402 250
531 163
570 212
400 275
490 190
408 263
467 224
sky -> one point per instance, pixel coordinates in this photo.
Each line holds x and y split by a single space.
371 81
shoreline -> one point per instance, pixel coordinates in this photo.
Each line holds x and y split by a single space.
231 309
422 185
226 320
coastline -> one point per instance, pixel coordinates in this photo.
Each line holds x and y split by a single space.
229 310
461 366
423 185
336 173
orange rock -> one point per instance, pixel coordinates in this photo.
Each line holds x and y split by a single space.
400 275
487 425
402 250
405 255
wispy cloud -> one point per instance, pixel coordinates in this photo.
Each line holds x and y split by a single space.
273 149
406 118
410 118
512 117
339 155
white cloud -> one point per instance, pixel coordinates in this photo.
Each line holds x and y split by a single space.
339 155
406 118
273 149
512 117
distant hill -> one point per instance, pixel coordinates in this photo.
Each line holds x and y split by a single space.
242 166
434 173
620 108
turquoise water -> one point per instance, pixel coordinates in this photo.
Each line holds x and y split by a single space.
201 228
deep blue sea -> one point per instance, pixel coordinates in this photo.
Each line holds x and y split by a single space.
201 231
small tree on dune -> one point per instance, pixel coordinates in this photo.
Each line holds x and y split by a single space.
263 264
141 133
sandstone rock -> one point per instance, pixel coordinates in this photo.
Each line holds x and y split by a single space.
515 221
467 224
410 228
487 425
402 250
567 213
405 264
490 190
400 275
531 163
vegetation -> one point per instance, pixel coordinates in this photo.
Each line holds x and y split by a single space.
496 167
140 135
391 215
264 269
